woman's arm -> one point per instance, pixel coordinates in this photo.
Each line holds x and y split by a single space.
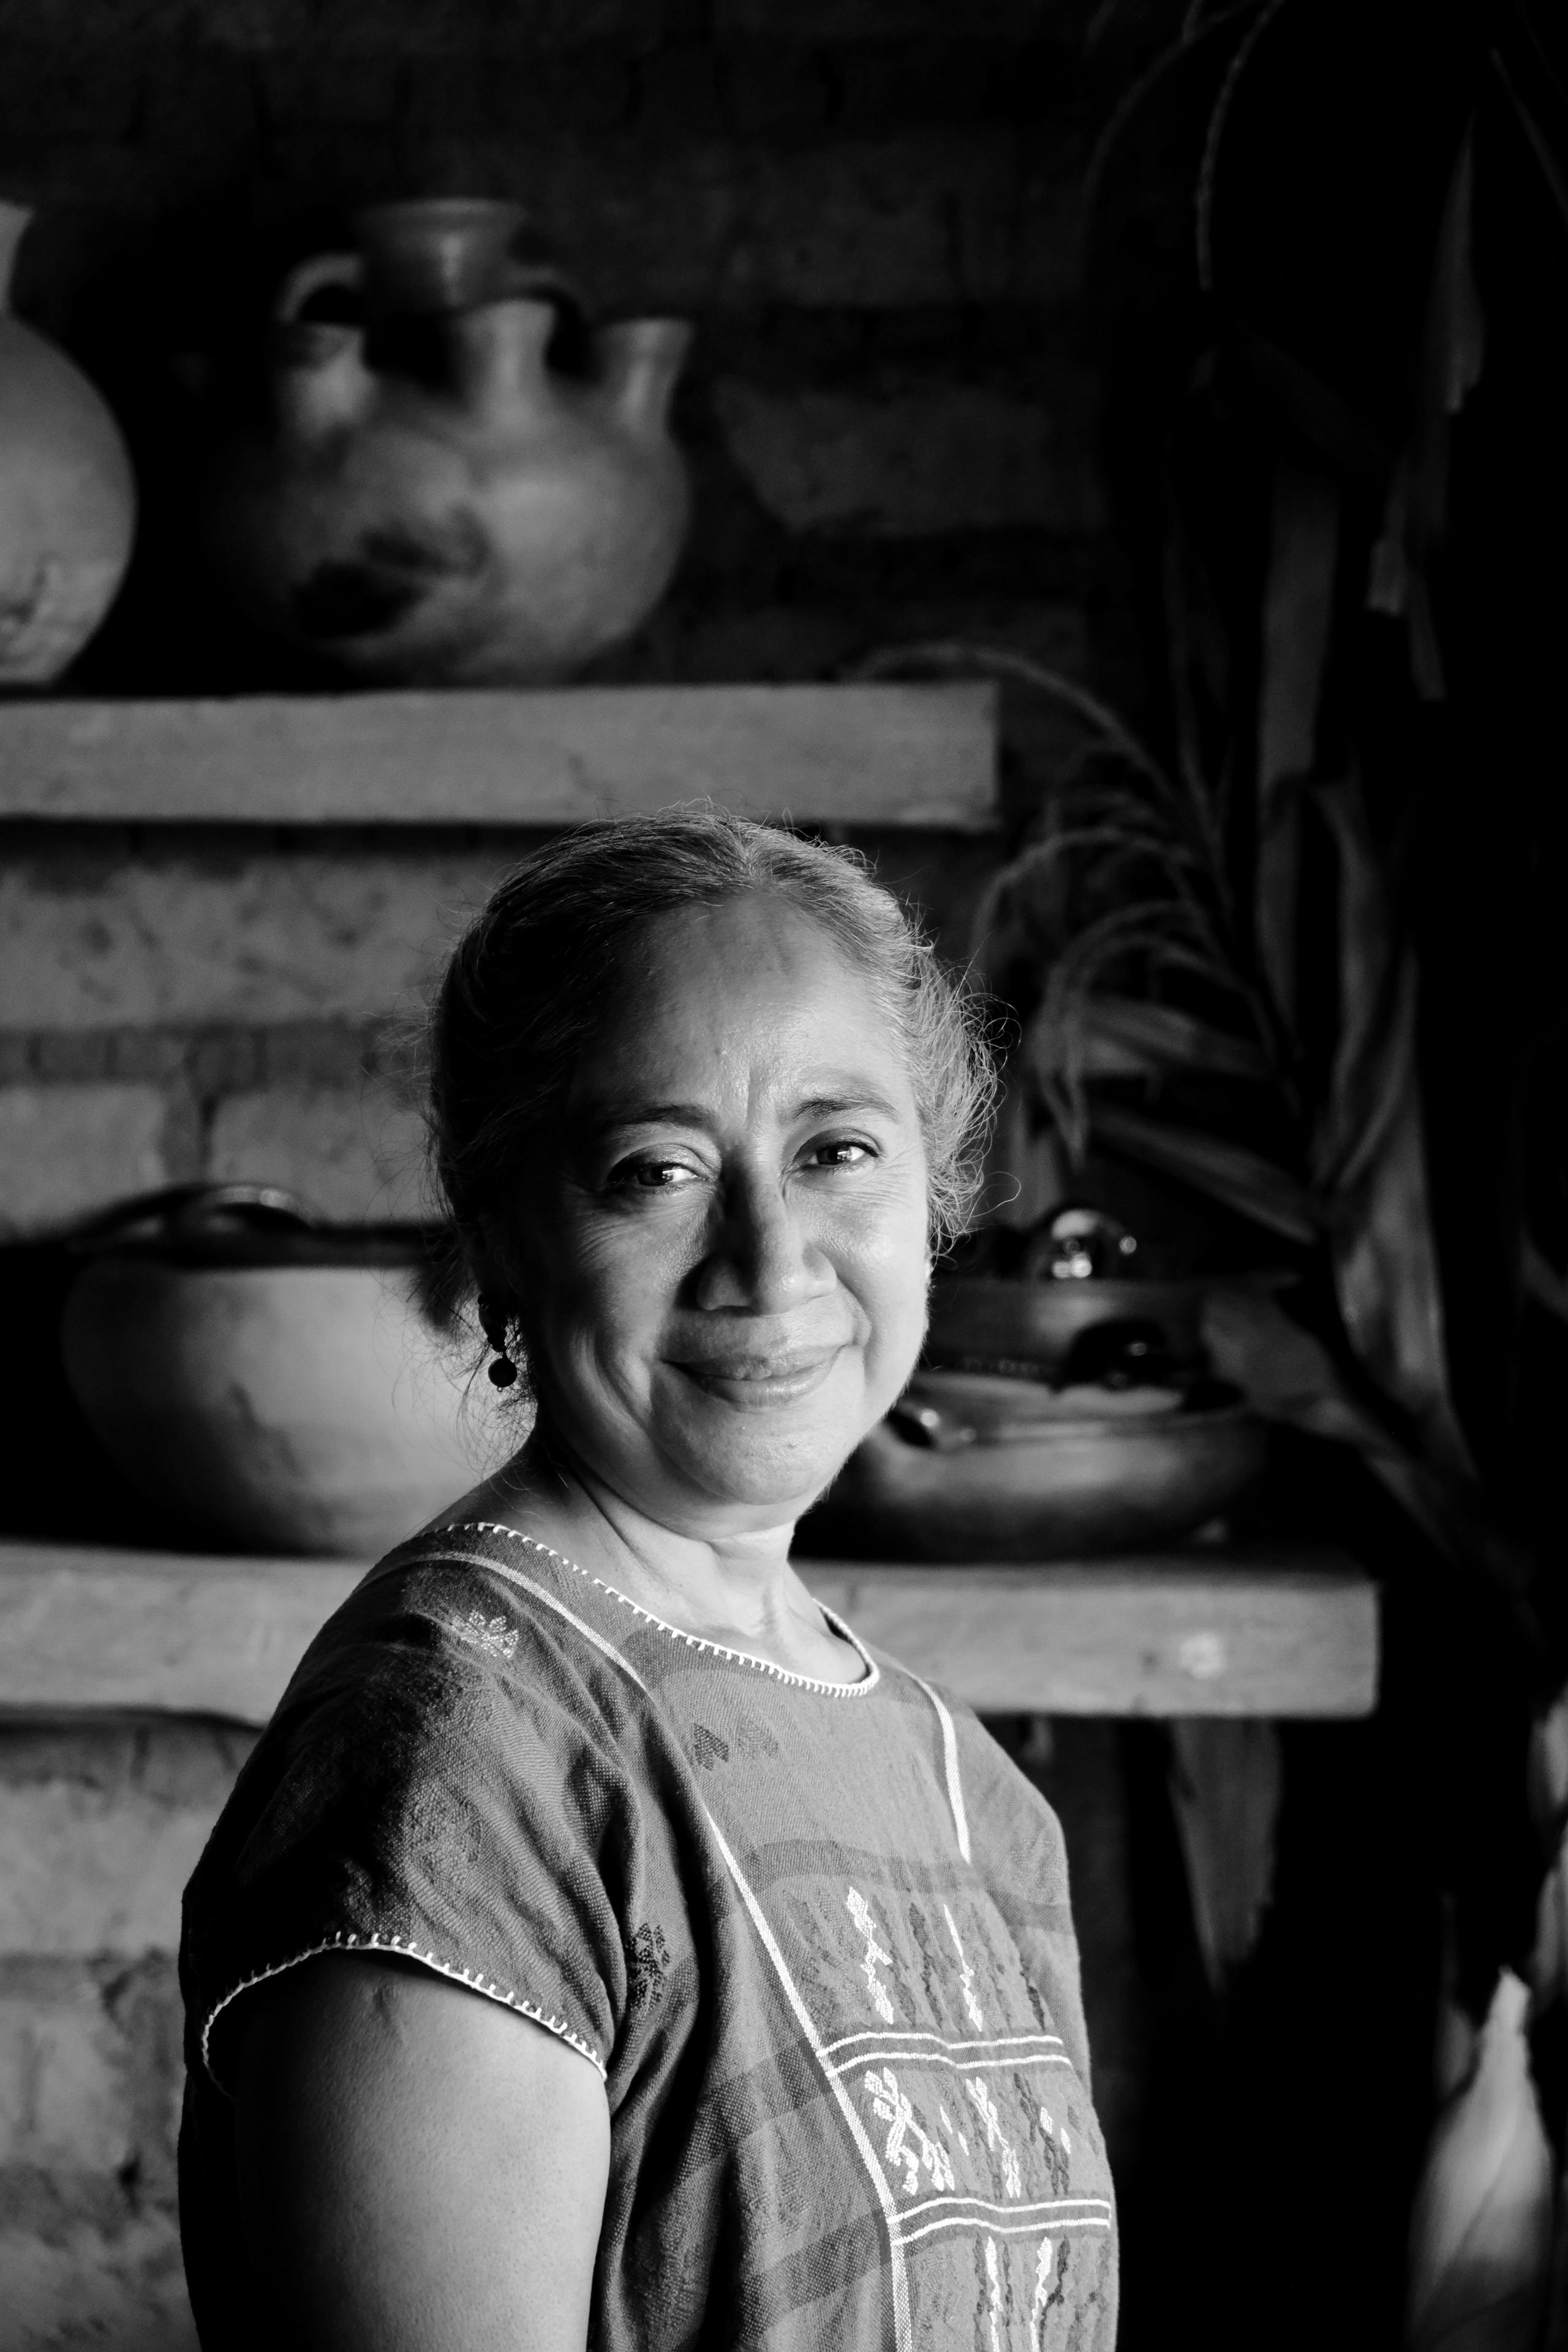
420 2169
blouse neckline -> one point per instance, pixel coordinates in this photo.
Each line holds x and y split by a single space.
860 1689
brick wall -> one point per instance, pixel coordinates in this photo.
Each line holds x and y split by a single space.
868 211
99 1831
867 208
239 1006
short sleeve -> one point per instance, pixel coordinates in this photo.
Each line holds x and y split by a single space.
440 1785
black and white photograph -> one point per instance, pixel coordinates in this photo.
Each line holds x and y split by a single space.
783 1176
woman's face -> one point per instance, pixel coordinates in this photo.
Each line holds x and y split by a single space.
724 1276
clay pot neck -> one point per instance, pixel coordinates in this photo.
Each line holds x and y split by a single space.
497 356
433 255
14 219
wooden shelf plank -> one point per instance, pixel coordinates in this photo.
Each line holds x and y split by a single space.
1290 1634
1151 1636
855 755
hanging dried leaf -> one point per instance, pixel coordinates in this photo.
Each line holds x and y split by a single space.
1370 1156
1377 999
1454 348
1226 1778
1386 1276
1535 138
1298 617
1541 1280
1481 2237
1287 1375
1240 1180
1122 1037
1209 167
1456 2040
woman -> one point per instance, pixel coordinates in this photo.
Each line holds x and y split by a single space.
602 1946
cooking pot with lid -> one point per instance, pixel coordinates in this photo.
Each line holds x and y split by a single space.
280 1384
978 1467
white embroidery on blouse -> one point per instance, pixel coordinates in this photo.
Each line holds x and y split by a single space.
993 2273
494 1635
997 2139
966 1977
1043 2270
860 1910
907 2144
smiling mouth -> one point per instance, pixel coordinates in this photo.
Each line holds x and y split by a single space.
757 1383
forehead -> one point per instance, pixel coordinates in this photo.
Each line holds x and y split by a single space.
754 983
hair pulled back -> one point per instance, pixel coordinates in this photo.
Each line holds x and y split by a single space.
527 986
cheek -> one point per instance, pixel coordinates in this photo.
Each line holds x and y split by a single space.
885 1257
604 1283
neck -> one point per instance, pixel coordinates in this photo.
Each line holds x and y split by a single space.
737 1591
742 1582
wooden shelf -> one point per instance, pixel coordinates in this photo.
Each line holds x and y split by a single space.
1270 1634
852 755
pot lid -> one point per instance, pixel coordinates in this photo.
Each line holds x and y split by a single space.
246 1225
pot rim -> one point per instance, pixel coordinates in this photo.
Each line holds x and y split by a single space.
1190 1420
263 1226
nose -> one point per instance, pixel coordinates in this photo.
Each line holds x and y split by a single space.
762 1259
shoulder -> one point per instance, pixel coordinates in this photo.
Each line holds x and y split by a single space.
449 1668
459 1619
454 1775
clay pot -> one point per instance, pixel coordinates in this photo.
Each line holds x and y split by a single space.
68 496
444 507
986 1470
982 1321
276 1384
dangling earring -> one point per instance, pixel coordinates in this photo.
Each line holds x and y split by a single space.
492 1323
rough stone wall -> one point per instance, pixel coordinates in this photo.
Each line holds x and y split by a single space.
867 207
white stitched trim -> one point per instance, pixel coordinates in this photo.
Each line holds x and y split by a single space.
999 2229
901 2339
891 2035
1083 2209
959 2065
408 1951
950 1760
862 1689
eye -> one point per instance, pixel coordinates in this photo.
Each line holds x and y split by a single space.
838 1151
653 1176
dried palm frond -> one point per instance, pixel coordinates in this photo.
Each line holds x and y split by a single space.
1145 1009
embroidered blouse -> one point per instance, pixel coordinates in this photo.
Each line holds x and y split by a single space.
814 1937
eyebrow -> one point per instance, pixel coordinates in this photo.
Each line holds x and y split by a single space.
688 1114
836 1106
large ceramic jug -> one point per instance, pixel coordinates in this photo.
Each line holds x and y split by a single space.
68 497
434 503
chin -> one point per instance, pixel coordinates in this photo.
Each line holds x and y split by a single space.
780 1476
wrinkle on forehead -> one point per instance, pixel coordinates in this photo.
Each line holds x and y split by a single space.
740 983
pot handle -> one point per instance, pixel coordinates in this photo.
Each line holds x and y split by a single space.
920 1423
184 1211
313 276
